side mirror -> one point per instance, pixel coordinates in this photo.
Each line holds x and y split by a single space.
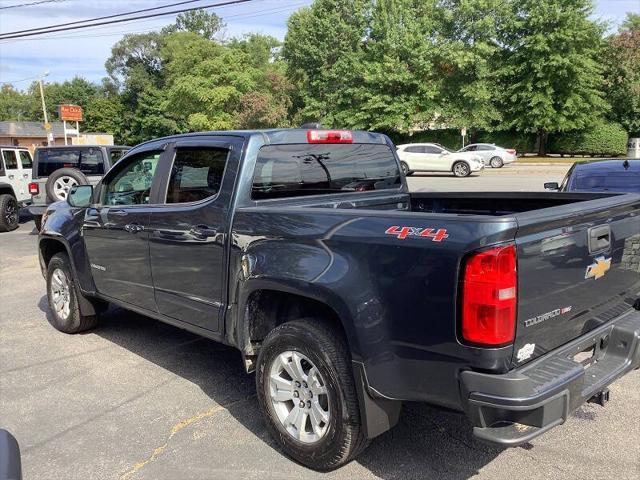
80 196
552 186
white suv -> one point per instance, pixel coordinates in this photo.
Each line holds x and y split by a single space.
15 175
433 157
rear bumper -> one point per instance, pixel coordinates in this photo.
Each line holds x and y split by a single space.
516 407
37 209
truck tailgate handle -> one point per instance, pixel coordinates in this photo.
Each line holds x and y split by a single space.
599 238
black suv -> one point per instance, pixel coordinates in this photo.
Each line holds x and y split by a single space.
57 169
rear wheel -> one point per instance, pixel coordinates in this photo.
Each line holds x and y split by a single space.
63 301
307 394
8 213
461 169
496 162
405 169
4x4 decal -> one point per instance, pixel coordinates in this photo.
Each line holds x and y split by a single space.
404 232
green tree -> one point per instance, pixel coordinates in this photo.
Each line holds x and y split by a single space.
203 23
16 105
622 79
551 74
631 23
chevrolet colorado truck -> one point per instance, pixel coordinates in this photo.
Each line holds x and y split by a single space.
347 294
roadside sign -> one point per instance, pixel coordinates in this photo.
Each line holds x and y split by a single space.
463 132
47 126
70 113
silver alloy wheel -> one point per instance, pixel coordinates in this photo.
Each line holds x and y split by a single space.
405 168
461 169
299 396
63 185
61 293
496 162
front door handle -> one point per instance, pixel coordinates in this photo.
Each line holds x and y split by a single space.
133 227
11 177
203 231
25 175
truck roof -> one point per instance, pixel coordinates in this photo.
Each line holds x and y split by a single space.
278 135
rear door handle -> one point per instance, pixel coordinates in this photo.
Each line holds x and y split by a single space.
25 175
118 212
133 227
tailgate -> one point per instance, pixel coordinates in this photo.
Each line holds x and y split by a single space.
578 267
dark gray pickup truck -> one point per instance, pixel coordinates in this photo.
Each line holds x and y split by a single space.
346 293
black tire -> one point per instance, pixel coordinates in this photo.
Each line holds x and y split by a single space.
9 213
327 349
37 219
74 322
70 175
496 162
461 169
405 169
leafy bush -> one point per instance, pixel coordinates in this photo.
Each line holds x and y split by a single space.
450 138
602 139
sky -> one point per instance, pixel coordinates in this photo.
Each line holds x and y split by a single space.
83 52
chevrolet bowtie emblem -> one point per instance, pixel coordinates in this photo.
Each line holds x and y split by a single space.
598 268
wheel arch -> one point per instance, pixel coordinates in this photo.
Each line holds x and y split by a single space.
6 189
270 303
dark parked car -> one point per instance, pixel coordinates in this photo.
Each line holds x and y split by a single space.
348 295
600 176
57 169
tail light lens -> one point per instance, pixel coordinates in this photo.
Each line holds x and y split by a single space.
489 296
511 151
329 136
34 189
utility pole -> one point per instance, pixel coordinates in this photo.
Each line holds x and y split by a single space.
47 125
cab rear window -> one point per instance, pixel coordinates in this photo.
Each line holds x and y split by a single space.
308 169
88 160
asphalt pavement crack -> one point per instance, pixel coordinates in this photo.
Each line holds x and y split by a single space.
158 451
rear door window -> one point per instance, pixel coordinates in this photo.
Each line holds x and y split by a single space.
414 149
91 161
25 159
308 169
196 174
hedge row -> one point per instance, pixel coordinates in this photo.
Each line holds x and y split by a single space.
602 139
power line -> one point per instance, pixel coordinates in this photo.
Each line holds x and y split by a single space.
18 81
62 36
172 12
30 4
101 18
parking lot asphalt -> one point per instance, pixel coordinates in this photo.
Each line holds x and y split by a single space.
138 399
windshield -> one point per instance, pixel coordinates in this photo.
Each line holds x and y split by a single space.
308 169
608 181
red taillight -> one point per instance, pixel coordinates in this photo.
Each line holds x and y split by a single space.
489 296
511 151
329 136
34 189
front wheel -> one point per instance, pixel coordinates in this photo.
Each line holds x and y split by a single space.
496 162
461 169
63 301
8 213
307 394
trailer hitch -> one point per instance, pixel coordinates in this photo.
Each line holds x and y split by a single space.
601 398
